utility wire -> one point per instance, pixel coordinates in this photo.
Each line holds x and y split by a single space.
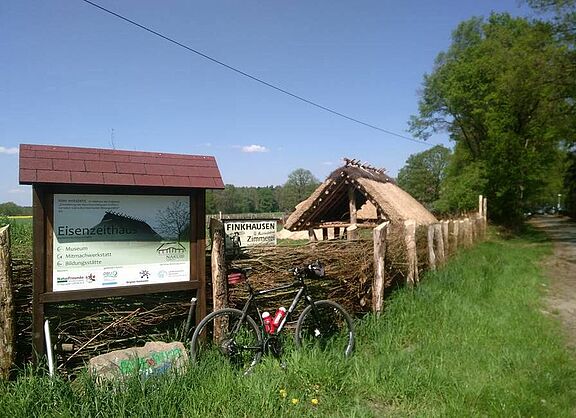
258 80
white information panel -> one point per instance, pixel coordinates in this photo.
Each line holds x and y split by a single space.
248 233
103 241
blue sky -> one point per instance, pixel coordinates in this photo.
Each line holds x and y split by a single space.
73 75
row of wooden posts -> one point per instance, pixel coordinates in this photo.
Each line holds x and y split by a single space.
443 238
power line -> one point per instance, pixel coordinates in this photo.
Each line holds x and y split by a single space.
258 80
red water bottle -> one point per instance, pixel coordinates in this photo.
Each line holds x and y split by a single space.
279 316
268 325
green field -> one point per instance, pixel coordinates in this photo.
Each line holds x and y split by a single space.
471 340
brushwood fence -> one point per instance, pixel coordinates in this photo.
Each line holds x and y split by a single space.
357 272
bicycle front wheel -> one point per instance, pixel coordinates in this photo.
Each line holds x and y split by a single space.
325 324
224 335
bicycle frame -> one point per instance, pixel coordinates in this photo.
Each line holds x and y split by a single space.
253 295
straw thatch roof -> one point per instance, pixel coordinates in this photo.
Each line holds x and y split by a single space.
328 205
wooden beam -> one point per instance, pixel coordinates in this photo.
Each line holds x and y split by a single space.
39 270
352 233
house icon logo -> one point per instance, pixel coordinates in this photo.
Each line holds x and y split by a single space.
169 248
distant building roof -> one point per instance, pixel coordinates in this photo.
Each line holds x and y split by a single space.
91 166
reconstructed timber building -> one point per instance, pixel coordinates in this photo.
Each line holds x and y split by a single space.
354 196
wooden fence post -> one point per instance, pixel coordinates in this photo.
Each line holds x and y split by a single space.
6 305
410 238
218 265
439 238
446 237
468 228
431 254
219 274
379 234
456 234
484 215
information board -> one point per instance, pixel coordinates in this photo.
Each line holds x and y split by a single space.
104 241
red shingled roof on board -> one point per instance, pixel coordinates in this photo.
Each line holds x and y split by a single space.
67 165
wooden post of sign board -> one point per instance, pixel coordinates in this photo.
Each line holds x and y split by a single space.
352 231
197 217
6 305
431 254
410 239
378 283
39 271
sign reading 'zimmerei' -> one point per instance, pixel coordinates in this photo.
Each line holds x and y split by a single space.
103 241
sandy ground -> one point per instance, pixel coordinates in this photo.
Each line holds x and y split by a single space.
561 295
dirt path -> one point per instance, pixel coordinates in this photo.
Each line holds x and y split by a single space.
562 271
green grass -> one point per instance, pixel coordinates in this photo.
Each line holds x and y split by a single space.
471 340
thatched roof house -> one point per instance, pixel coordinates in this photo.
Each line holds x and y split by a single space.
354 186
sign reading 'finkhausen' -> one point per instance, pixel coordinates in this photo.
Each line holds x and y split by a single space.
248 233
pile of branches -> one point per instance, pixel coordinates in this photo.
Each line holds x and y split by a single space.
22 294
88 328
83 329
349 272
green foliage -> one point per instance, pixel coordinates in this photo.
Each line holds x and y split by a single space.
242 200
471 340
301 183
423 173
501 93
12 209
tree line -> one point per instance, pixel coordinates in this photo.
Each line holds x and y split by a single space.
505 92
300 184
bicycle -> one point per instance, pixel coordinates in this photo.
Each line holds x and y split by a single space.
233 334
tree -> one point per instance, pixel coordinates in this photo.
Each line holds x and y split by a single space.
423 173
500 92
300 184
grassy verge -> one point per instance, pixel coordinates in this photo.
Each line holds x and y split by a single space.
20 235
470 341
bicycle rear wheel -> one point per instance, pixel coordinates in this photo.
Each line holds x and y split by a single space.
224 335
326 325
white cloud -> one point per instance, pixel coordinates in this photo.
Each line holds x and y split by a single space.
327 163
254 148
20 190
4 150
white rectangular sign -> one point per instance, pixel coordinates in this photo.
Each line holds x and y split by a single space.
249 233
103 241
